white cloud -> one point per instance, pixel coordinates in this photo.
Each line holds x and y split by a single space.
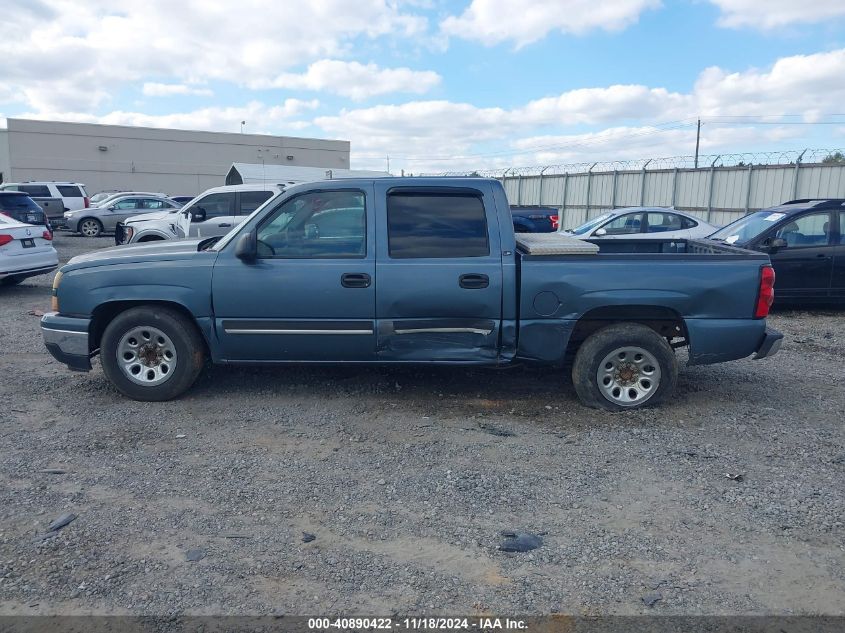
497 21
168 90
447 134
260 117
355 80
96 46
770 14
628 143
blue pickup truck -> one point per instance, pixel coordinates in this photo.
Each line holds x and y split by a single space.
535 219
400 270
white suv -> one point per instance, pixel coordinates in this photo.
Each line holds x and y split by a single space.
72 193
213 212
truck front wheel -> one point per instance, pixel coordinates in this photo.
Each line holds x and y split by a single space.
151 353
624 366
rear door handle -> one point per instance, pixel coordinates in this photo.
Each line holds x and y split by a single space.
225 225
473 281
355 280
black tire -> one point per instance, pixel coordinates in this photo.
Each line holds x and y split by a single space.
96 229
601 344
189 346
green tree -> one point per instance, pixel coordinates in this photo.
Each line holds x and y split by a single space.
837 158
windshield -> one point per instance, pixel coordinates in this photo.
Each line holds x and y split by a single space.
591 224
747 228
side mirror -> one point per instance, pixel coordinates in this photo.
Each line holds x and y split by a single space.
601 232
774 244
197 214
112 208
247 247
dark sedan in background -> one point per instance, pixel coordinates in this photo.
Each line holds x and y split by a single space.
805 239
534 219
21 207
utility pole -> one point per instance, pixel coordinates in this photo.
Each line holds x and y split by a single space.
388 163
697 141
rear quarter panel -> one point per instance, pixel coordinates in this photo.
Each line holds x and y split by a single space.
715 296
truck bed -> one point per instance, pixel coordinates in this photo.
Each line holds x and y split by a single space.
674 247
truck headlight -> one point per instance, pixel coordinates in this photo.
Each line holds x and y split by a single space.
68 214
54 293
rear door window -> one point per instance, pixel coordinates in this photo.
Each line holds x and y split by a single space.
251 200
663 222
36 191
436 226
70 191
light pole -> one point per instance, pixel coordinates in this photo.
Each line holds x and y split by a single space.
243 123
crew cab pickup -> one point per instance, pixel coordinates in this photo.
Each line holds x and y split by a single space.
409 270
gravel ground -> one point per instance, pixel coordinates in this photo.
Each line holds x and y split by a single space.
406 477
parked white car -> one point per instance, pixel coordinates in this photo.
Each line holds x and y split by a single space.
644 223
212 213
25 251
73 194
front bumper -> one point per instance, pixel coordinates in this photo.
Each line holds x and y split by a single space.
770 345
66 338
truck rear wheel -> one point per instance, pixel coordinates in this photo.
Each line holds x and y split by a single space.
624 366
151 353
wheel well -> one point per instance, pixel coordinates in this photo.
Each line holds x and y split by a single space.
105 314
666 322
151 238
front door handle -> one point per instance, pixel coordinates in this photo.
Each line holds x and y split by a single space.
225 225
355 280
473 281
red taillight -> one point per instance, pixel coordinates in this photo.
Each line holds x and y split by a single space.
766 294
5 239
555 221
47 235
87 202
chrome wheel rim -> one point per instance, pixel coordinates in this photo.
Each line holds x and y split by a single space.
147 356
89 228
628 376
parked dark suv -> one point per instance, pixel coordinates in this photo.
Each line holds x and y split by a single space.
805 240
21 207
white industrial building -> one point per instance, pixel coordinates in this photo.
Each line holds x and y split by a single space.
177 162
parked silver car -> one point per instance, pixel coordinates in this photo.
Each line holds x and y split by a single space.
95 221
644 223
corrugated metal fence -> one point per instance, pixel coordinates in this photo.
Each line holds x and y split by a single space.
718 195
